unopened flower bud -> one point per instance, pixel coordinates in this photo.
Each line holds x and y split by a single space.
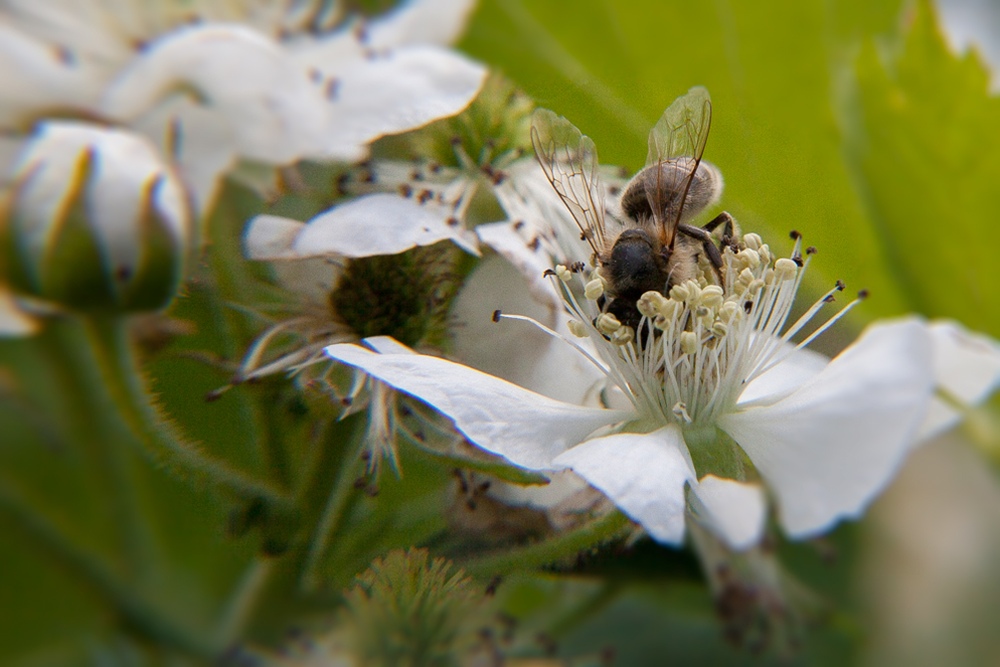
96 221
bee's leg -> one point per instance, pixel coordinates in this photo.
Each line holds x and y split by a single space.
722 218
727 230
704 235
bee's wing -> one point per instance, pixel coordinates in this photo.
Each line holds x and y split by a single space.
569 160
681 132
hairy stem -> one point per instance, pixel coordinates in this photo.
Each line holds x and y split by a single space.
123 380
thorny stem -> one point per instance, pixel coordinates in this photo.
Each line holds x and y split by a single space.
108 338
566 545
136 612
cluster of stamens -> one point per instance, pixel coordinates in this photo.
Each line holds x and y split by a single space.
698 344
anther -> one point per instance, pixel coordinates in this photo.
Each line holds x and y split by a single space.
795 236
547 273
863 294
840 285
811 250
829 298
496 315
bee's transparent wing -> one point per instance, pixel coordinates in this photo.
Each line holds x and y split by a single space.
569 160
681 132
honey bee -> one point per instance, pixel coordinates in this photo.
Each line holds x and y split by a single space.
651 246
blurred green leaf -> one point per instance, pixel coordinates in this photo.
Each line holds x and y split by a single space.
776 74
926 152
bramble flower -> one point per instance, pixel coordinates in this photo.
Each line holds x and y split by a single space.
95 221
223 85
475 173
380 266
716 402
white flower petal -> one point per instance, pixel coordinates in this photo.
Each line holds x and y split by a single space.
387 345
37 80
794 371
201 143
966 366
526 428
401 91
377 224
277 113
516 351
272 237
829 448
531 261
643 473
420 22
735 511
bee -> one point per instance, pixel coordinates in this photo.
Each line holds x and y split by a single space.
652 244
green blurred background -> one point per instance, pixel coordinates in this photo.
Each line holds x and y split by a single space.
851 121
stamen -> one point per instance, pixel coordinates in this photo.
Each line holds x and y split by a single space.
809 314
497 316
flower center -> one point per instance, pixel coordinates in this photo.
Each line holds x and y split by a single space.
698 343
406 296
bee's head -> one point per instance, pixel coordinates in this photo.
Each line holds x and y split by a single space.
635 264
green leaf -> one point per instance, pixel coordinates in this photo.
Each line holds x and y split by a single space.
926 153
774 76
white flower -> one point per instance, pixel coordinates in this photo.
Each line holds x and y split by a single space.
380 265
96 219
706 371
219 83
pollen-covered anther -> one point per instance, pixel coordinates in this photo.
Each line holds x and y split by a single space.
607 324
752 241
689 342
577 328
704 316
563 273
688 292
749 258
594 289
785 269
712 297
623 336
651 304
729 311
719 328
680 411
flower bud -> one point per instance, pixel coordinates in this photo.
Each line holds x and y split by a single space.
95 220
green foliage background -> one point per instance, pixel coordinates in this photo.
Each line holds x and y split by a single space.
850 121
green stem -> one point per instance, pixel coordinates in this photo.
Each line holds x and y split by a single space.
123 380
94 425
137 613
566 545
333 510
239 609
